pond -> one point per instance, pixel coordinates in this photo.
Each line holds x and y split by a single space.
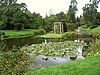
19 42
41 59
54 53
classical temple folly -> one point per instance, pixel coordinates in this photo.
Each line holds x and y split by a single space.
58 27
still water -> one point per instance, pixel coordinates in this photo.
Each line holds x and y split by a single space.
19 42
40 60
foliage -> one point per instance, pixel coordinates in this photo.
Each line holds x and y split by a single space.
72 10
0 33
76 25
96 35
98 18
34 20
46 24
94 48
39 32
61 16
93 26
14 16
51 49
90 12
69 35
86 32
7 2
49 20
40 22
88 66
14 61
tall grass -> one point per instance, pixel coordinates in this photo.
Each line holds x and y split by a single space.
94 48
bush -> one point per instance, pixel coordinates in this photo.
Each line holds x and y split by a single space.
96 35
76 25
0 33
69 35
89 33
93 26
94 48
14 61
39 32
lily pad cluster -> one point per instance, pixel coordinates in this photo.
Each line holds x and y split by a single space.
55 49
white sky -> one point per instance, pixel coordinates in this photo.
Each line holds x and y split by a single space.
44 6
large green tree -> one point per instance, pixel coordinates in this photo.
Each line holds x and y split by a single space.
90 12
3 6
63 18
39 22
7 2
98 18
14 16
72 11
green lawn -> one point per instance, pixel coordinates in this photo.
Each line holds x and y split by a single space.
88 66
21 33
97 29
51 36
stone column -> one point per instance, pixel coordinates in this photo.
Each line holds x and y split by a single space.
60 27
54 28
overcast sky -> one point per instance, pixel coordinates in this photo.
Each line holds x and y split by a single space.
44 6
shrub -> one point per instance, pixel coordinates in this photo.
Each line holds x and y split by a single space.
0 33
93 26
94 48
69 35
13 62
96 35
76 25
39 32
89 33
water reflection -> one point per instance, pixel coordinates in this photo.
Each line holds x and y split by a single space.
19 42
44 61
47 61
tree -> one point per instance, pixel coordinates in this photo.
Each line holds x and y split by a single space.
72 10
90 11
63 18
14 16
98 18
34 20
39 22
7 2
95 2
29 17
46 23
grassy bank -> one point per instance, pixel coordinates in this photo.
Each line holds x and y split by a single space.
66 35
51 36
19 34
97 29
88 66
